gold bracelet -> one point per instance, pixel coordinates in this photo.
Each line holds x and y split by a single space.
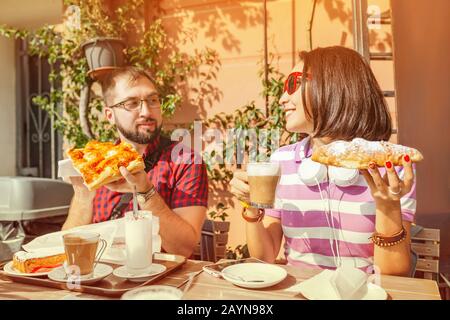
244 204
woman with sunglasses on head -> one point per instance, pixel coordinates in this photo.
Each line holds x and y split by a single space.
333 95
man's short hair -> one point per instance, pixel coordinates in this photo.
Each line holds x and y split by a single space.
109 81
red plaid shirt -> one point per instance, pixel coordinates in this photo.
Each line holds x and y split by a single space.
179 183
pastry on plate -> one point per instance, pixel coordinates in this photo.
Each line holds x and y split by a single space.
36 262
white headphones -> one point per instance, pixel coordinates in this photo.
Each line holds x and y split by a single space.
311 172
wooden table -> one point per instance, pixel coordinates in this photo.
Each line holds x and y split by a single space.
206 287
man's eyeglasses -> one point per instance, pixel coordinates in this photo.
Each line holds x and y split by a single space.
134 104
294 82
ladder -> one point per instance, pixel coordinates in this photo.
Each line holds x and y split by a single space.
361 37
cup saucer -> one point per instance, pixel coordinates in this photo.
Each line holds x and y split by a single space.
101 271
155 269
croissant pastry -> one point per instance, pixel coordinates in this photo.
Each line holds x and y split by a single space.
358 153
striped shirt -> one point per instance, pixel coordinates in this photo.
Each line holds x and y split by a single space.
310 235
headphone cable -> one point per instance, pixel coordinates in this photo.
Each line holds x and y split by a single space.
337 258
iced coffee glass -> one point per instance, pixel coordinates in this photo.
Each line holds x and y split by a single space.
138 242
263 179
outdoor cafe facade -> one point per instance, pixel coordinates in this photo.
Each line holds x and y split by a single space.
250 39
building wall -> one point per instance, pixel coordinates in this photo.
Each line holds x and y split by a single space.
19 14
235 30
30 14
7 108
422 69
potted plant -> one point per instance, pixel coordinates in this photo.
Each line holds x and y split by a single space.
103 54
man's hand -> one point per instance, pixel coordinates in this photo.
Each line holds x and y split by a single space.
125 185
80 211
80 189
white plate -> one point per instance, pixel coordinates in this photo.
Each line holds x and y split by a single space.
9 269
268 275
155 269
101 271
158 292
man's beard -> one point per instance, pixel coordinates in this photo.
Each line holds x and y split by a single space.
139 137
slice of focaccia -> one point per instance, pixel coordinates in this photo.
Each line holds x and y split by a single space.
99 162
359 153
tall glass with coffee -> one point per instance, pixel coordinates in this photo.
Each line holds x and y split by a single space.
138 239
263 179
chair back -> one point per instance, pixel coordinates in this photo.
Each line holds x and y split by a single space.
213 241
425 243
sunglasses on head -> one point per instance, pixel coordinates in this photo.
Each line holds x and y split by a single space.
294 82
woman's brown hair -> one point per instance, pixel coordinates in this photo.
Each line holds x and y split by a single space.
345 100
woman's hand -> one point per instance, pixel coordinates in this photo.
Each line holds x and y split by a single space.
125 185
240 187
389 189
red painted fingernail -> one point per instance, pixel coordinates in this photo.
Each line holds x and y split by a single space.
407 158
372 166
388 164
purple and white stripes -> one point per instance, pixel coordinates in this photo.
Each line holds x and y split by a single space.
307 225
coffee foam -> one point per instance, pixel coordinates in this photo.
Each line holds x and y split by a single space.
81 237
263 169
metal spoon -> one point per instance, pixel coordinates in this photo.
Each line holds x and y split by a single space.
188 281
135 203
239 278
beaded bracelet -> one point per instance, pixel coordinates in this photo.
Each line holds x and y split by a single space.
383 241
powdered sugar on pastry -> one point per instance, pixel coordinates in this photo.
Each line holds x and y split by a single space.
358 153
339 147
23 255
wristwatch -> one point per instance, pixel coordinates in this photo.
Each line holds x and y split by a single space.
142 197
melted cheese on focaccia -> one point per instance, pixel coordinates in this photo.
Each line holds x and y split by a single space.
96 156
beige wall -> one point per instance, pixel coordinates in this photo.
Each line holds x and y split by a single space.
27 14
7 108
235 30
422 68
30 13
